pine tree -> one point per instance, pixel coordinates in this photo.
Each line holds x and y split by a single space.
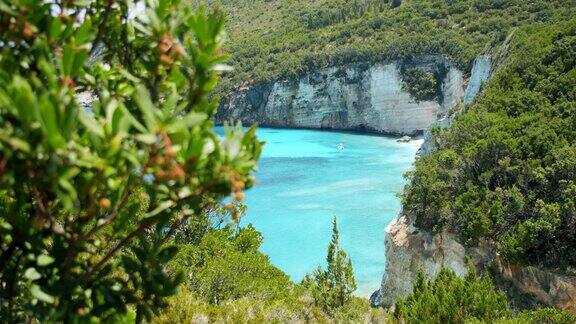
340 273
333 288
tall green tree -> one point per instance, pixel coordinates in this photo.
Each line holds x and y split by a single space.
333 288
83 182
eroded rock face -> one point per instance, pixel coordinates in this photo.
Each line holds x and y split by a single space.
544 286
357 97
409 249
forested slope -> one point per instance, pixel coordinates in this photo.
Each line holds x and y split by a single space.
506 169
270 39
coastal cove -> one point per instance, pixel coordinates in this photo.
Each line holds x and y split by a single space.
304 179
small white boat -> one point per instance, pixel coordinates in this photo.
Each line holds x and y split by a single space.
340 147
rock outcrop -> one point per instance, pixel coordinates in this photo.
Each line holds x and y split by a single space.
481 71
353 97
409 249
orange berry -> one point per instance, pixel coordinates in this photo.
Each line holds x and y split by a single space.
27 31
158 160
170 152
238 195
165 43
159 174
177 172
177 51
105 203
166 60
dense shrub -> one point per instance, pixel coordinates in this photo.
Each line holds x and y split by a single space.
226 265
332 288
506 170
472 299
229 280
451 299
423 85
91 194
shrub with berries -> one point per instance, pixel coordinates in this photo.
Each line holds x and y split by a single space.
90 195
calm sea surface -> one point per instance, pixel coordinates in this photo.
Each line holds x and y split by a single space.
304 180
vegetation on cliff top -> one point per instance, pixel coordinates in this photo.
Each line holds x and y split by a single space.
271 39
506 169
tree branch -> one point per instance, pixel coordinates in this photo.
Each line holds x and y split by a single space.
7 255
174 227
102 26
141 228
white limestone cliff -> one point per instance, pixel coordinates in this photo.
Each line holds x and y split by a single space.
354 97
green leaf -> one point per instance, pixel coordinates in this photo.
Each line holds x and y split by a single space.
5 225
222 68
16 143
41 295
50 123
167 254
91 124
71 193
133 121
55 28
84 33
7 9
32 274
190 120
147 138
24 99
44 260
162 207
67 60
79 60
145 104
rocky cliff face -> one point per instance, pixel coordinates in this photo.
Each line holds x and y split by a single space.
354 97
481 71
409 249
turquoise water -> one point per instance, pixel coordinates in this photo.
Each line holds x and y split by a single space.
304 180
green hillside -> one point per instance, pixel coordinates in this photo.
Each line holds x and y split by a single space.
507 167
271 39
111 209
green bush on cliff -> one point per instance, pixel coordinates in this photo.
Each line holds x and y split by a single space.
229 280
472 299
226 264
451 299
506 169
421 84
